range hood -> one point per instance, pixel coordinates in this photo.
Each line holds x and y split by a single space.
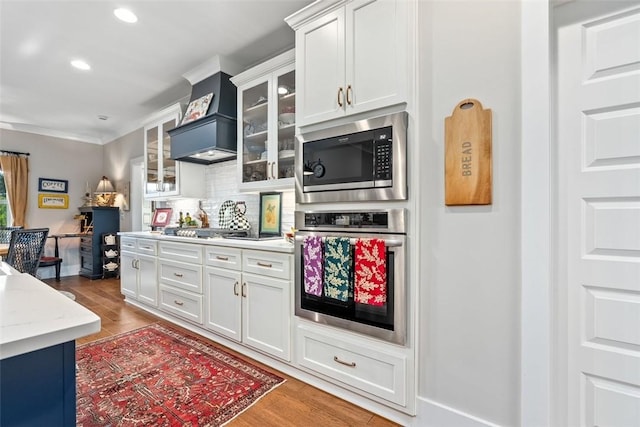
213 137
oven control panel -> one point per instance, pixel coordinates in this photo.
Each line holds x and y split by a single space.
379 221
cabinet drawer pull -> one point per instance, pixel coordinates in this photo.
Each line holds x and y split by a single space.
235 289
349 95
178 302
222 258
342 362
273 174
244 290
264 264
340 96
177 274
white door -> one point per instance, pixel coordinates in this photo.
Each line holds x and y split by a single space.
266 314
223 302
148 279
598 125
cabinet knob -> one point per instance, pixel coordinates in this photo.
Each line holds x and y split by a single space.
177 274
264 264
235 289
273 174
244 290
222 258
178 302
340 96
349 95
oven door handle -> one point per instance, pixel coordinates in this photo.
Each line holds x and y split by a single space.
389 243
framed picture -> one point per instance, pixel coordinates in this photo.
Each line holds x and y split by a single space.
53 201
197 108
270 214
161 217
49 185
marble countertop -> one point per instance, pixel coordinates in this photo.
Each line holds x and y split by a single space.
34 316
274 245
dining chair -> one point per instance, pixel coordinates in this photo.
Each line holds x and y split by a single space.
25 249
5 234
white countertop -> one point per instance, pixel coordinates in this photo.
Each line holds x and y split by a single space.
34 316
274 245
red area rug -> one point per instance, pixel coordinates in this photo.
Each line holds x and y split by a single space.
161 377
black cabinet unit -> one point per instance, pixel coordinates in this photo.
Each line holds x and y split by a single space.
97 221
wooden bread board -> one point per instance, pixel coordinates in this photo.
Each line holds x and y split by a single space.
468 175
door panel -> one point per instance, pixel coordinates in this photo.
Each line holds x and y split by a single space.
599 206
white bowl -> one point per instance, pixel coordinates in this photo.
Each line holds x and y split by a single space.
287 118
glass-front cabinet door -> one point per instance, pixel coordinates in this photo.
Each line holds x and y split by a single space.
266 124
160 170
255 134
286 110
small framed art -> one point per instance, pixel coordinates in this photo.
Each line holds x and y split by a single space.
161 217
49 185
197 108
270 214
53 201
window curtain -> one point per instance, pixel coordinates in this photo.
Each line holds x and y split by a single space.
16 180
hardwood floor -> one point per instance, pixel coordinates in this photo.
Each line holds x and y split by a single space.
293 403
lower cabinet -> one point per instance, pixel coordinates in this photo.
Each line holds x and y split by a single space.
375 369
250 308
139 270
180 278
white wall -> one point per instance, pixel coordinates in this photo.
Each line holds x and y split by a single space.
76 162
117 156
470 282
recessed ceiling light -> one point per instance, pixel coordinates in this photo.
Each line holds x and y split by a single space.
125 15
80 64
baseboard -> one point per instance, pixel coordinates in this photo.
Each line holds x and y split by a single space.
430 413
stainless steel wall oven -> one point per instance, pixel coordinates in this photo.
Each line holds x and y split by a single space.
358 161
386 317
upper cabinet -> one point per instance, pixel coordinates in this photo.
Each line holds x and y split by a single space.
351 57
266 124
165 177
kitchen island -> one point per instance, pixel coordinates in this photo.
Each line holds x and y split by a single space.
38 329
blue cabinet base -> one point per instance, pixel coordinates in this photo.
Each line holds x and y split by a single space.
39 388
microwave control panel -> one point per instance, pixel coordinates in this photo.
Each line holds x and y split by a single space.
383 145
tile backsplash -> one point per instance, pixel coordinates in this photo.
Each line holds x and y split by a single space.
222 185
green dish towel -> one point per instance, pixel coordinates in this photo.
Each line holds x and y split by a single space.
337 269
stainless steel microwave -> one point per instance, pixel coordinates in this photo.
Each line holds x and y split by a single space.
360 161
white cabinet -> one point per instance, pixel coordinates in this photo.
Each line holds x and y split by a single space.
266 124
370 367
180 278
254 309
351 59
138 275
165 177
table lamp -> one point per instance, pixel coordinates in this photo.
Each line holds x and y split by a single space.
105 193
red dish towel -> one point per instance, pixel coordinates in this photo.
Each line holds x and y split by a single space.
371 272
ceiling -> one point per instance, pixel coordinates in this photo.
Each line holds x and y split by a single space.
137 69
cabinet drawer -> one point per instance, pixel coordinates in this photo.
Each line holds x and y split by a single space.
147 246
366 367
223 257
181 275
181 252
267 263
128 243
180 303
